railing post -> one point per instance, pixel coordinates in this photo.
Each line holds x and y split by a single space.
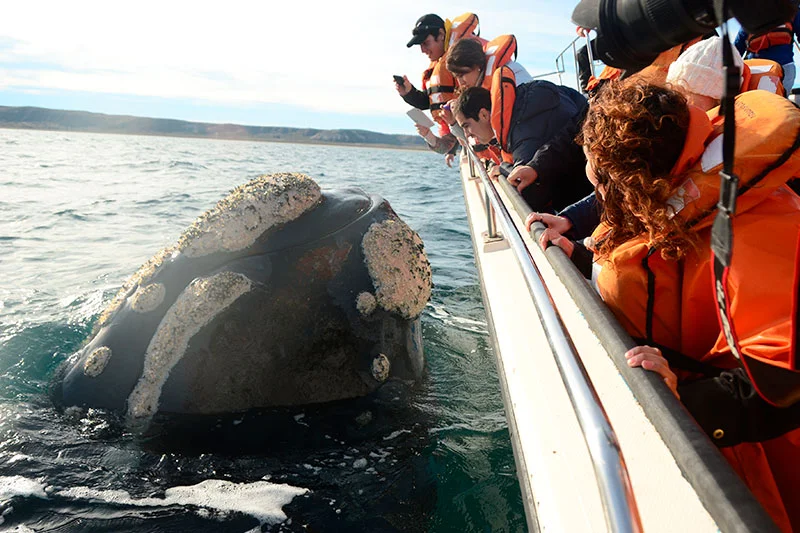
491 231
472 174
577 63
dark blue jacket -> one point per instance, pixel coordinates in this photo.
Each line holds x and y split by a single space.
542 111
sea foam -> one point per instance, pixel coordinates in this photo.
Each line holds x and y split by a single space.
261 499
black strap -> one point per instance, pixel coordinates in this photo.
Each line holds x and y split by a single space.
503 126
440 89
651 295
722 229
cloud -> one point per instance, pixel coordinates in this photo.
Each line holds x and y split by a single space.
325 56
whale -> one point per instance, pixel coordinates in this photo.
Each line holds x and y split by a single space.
281 295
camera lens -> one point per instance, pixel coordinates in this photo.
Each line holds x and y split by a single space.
631 33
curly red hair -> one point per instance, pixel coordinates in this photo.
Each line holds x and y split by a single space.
634 134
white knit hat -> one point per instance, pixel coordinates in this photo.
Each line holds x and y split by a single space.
699 68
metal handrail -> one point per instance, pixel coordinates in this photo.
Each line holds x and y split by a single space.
619 503
561 65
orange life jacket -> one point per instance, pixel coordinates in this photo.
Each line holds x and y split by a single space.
501 82
607 74
673 303
763 74
490 152
437 82
780 35
499 51
503 90
465 25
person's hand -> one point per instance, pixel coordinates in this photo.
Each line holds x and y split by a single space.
558 223
581 31
522 176
651 359
404 88
448 159
494 172
551 236
422 130
447 113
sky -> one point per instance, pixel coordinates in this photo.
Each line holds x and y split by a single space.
290 63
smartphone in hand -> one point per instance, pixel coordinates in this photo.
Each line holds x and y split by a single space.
399 80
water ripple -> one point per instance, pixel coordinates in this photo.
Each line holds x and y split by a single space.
81 212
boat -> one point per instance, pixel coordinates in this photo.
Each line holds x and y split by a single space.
598 446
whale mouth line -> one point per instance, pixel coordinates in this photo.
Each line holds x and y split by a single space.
320 237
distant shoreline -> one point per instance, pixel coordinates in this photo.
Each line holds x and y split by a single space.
43 119
208 138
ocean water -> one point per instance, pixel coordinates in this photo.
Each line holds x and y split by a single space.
79 213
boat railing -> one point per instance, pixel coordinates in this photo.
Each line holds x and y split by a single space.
571 50
619 504
721 491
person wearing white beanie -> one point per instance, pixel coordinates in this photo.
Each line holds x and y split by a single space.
698 73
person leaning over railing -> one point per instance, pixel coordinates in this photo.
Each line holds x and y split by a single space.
434 37
473 63
655 161
561 157
537 110
698 74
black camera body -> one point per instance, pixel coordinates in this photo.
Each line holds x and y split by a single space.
631 33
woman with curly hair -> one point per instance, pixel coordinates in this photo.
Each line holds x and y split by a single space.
654 161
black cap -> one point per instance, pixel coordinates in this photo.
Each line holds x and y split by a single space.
429 24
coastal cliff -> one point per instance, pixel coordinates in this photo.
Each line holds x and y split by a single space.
38 118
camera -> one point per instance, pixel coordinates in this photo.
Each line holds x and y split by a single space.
631 33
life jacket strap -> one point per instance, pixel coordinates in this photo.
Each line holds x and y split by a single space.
784 385
433 89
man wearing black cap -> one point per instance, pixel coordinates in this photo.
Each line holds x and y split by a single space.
429 32
434 36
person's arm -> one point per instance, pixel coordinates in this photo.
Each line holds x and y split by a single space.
440 145
584 215
583 258
584 67
741 41
723 403
417 98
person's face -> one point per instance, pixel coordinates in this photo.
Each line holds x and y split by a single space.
469 78
591 173
433 47
480 130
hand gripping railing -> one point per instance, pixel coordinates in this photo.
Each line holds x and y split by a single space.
619 504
